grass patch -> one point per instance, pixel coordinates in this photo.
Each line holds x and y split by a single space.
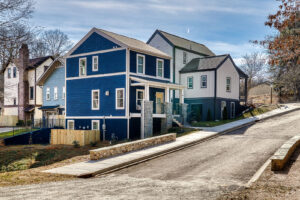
181 131
15 132
254 112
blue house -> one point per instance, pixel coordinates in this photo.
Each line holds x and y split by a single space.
118 81
54 93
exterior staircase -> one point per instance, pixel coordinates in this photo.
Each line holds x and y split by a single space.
176 121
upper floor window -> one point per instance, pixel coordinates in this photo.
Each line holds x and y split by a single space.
139 99
9 73
14 72
140 64
48 94
184 57
228 84
64 93
95 63
31 93
55 93
95 99
204 81
15 101
120 98
190 82
82 67
160 67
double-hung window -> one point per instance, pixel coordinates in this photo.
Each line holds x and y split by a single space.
14 72
71 124
64 93
204 81
140 64
190 82
95 99
31 93
184 57
228 84
48 94
120 98
9 73
55 93
95 63
139 99
160 68
95 125
82 67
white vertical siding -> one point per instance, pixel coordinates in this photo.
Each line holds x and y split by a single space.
228 70
197 91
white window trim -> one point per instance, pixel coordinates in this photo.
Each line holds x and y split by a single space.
203 81
9 73
136 99
229 84
188 87
95 69
163 67
85 67
98 128
63 92
69 124
120 108
98 99
186 58
48 97
55 93
137 63
31 99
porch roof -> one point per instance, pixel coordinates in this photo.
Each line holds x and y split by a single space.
48 107
142 81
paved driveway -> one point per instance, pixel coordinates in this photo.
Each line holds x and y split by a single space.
204 171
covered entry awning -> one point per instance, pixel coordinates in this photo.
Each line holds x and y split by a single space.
29 108
49 107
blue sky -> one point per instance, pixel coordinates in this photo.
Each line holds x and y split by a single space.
224 26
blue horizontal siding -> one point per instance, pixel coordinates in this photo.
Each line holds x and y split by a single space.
94 42
150 64
109 62
79 96
116 126
56 79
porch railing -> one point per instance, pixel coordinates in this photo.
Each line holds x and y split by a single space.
177 109
158 108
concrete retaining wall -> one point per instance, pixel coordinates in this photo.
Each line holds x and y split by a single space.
282 155
130 146
8 120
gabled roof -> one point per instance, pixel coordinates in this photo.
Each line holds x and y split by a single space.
50 70
183 43
209 63
35 62
123 41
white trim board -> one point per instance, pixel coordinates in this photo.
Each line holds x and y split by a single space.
96 117
96 76
97 52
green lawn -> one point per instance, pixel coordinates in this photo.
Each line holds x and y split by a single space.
255 112
15 132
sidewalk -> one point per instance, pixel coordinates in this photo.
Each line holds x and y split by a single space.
90 168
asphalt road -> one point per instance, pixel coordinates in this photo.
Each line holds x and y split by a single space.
203 171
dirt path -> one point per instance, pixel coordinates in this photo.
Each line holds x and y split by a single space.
205 171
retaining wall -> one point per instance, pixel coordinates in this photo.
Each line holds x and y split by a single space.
8 120
130 146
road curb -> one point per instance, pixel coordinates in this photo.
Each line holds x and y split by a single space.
177 148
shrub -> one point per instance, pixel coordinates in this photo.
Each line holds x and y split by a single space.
208 118
28 123
20 123
225 113
76 144
93 144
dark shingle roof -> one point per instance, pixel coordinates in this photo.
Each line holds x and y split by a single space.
209 63
35 62
202 64
186 44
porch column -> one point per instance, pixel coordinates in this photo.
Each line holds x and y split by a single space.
167 94
147 95
181 96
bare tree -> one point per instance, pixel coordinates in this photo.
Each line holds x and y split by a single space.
254 65
57 43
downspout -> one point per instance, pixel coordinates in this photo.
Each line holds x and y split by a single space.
215 98
174 59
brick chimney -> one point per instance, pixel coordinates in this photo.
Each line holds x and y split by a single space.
23 90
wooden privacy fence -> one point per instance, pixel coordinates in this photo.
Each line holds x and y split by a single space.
83 137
